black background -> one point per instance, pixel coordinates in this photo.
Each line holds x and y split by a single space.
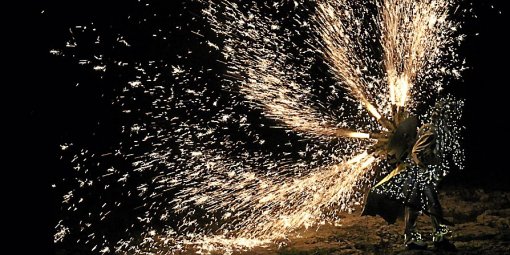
54 109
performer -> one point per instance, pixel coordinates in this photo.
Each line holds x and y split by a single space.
412 184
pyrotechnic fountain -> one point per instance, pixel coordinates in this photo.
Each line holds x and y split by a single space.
192 184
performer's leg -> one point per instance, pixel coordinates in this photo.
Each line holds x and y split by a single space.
413 240
411 215
440 230
433 205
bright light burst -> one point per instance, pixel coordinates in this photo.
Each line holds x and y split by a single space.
198 175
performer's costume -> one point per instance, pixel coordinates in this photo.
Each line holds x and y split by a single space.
412 184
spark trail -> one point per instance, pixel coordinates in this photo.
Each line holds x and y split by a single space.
406 43
192 184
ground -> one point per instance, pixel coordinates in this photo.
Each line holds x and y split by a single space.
481 220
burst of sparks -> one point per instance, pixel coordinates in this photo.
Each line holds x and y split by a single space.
196 186
407 41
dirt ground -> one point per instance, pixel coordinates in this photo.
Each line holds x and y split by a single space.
481 221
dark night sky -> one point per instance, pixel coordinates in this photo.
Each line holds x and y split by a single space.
486 103
57 110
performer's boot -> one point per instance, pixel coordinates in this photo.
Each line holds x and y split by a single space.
413 240
439 238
